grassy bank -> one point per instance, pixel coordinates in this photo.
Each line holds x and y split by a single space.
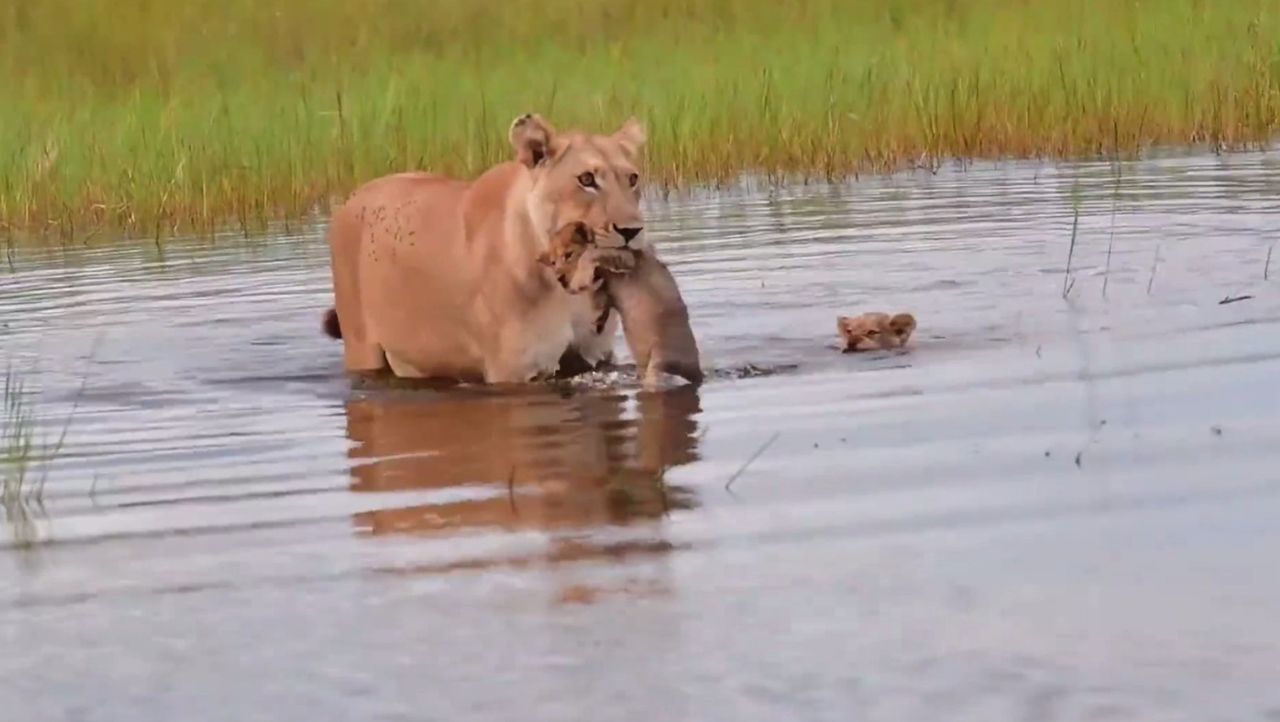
155 116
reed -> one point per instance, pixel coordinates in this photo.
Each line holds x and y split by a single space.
17 439
25 455
154 118
20 494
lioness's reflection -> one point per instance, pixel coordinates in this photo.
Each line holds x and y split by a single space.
560 460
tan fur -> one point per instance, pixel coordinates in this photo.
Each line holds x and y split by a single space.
655 320
654 316
438 277
875 331
563 252
579 265
901 326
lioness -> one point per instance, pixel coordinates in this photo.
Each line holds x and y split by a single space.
875 331
438 277
654 316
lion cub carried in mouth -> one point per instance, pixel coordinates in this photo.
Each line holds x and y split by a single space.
875 331
655 319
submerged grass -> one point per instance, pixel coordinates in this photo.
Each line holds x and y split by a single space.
24 459
154 117
20 493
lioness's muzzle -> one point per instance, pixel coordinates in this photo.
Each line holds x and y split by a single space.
628 234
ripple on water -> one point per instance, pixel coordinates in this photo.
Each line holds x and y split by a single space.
1048 507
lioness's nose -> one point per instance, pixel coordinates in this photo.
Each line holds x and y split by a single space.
628 233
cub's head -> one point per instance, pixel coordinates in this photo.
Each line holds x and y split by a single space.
565 249
868 332
583 178
875 331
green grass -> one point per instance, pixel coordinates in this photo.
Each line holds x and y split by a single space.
21 493
157 117
24 459
17 439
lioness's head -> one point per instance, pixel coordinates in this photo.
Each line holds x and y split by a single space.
584 178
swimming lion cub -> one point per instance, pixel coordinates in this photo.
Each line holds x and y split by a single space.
875 331
655 320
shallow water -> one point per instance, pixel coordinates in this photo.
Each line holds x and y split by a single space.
1048 509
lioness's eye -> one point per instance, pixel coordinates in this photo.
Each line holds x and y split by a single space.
587 180
633 179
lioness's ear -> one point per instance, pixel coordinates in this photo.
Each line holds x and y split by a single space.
631 135
531 138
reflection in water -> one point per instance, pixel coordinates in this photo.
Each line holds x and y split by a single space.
564 462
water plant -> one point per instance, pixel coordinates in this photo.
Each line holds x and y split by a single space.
154 117
24 458
17 449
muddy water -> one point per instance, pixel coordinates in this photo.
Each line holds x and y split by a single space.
1048 509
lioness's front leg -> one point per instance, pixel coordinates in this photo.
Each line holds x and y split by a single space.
529 348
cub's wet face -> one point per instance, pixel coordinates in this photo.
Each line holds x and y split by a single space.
565 250
584 178
580 265
875 331
868 332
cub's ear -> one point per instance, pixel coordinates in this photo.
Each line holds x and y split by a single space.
631 136
531 138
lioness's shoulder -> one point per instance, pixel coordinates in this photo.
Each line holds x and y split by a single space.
400 187
486 198
499 179
396 183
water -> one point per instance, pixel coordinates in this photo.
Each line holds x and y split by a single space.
1048 509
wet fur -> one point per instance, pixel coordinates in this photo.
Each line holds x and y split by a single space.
332 328
875 331
580 267
655 320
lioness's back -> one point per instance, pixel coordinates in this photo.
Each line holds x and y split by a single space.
413 210
403 192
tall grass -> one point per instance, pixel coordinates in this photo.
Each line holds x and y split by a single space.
156 116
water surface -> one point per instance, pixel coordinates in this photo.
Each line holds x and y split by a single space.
1050 508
